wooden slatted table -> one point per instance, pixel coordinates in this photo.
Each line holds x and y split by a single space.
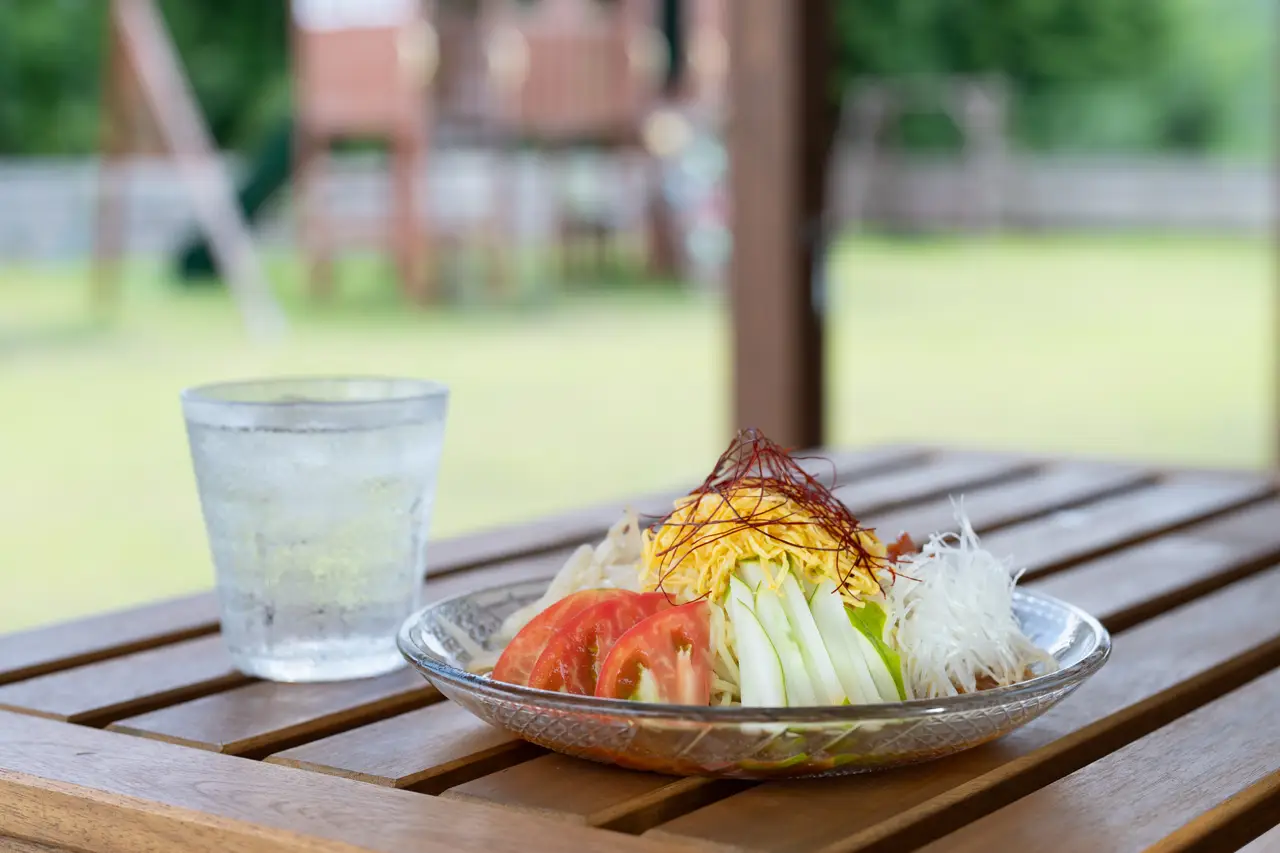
131 731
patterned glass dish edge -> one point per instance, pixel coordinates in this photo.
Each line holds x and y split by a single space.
752 743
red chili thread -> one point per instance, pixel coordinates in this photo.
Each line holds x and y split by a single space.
752 461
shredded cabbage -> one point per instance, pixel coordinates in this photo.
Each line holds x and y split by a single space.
613 564
950 614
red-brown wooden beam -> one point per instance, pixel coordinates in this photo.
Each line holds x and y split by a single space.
780 128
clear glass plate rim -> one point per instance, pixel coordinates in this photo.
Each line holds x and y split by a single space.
1067 677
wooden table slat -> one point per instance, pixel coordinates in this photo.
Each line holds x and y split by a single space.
943 474
428 749
91 789
1241 820
1129 586
98 693
266 715
42 650
1073 535
1137 795
1057 486
593 794
1158 671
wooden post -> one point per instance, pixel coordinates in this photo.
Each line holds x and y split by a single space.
779 133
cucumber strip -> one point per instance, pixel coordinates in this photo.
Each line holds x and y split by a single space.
773 619
761 679
841 639
817 657
869 620
885 685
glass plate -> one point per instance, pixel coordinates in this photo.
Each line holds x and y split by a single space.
744 743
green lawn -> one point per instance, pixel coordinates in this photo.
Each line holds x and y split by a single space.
1153 347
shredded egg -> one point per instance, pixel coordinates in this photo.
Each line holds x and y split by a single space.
688 567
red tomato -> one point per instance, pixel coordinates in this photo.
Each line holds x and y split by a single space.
572 657
522 652
665 658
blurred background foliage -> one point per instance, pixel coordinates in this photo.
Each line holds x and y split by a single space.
1094 76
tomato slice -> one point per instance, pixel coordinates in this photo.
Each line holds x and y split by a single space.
518 658
572 657
665 658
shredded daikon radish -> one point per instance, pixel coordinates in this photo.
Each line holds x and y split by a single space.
951 616
614 563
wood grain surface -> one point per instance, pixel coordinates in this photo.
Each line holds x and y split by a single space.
1100 527
1240 820
266 716
1037 492
1141 793
594 794
98 693
945 473
1128 586
112 793
42 650
435 747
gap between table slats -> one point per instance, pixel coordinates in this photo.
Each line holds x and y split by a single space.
43 650
259 719
582 791
267 717
1150 788
1159 671
97 693
1244 818
17 845
427 750
1060 485
1267 843
1071 536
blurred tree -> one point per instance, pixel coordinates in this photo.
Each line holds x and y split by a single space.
1088 74
1044 47
51 62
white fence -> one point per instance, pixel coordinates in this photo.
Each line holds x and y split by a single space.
1065 193
46 206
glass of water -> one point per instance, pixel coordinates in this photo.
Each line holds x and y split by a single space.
317 498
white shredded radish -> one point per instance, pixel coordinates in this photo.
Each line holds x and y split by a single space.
951 616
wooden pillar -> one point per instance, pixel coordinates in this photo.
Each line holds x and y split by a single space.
780 129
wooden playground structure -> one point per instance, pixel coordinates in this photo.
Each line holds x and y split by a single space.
779 139
552 75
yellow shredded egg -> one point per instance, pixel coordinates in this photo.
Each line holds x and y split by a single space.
687 567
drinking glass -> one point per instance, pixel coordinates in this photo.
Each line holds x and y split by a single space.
317 497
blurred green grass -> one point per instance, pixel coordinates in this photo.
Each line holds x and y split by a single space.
1151 347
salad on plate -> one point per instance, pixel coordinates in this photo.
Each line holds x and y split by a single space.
761 588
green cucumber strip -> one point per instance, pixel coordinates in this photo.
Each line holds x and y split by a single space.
869 620
759 668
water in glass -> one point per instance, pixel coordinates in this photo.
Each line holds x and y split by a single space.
317 511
